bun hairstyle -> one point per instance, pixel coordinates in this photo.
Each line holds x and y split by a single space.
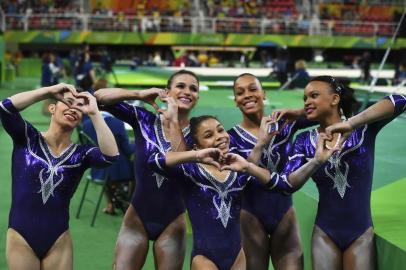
243 75
348 103
180 72
195 123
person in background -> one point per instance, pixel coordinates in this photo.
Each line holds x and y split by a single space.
49 75
400 74
301 77
365 65
84 72
49 71
121 171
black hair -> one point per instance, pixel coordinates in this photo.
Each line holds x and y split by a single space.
180 72
348 102
243 75
195 124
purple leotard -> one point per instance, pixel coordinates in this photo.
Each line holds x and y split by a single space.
274 157
43 184
344 181
213 207
156 202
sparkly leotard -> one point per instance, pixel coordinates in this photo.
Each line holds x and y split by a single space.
213 207
156 202
42 183
274 157
344 181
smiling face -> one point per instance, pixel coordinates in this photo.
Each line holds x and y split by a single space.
63 115
185 90
320 101
211 133
248 95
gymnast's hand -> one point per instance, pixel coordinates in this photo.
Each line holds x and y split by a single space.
289 115
264 136
86 103
345 128
171 112
209 156
61 91
234 162
323 153
150 95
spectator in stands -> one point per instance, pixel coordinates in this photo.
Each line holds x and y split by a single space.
135 62
203 58
244 59
365 65
119 172
157 60
301 77
280 67
49 70
192 59
213 60
15 60
84 73
58 63
314 28
106 61
73 58
178 21
400 74
49 77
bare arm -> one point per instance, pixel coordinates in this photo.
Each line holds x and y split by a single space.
380 110
25 99
290 182
206 156
299 177
237 163
176 138
110 96
105 137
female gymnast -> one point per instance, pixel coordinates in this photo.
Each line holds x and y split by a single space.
343 236
212 181
266 231
157 211
46 170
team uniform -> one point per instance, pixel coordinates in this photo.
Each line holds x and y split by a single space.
42 183
213 207
156 201
344 182
274 157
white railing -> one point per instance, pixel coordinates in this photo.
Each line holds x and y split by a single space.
290 25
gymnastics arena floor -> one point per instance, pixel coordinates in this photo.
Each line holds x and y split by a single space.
94 247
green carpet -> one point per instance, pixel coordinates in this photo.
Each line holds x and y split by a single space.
388 211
